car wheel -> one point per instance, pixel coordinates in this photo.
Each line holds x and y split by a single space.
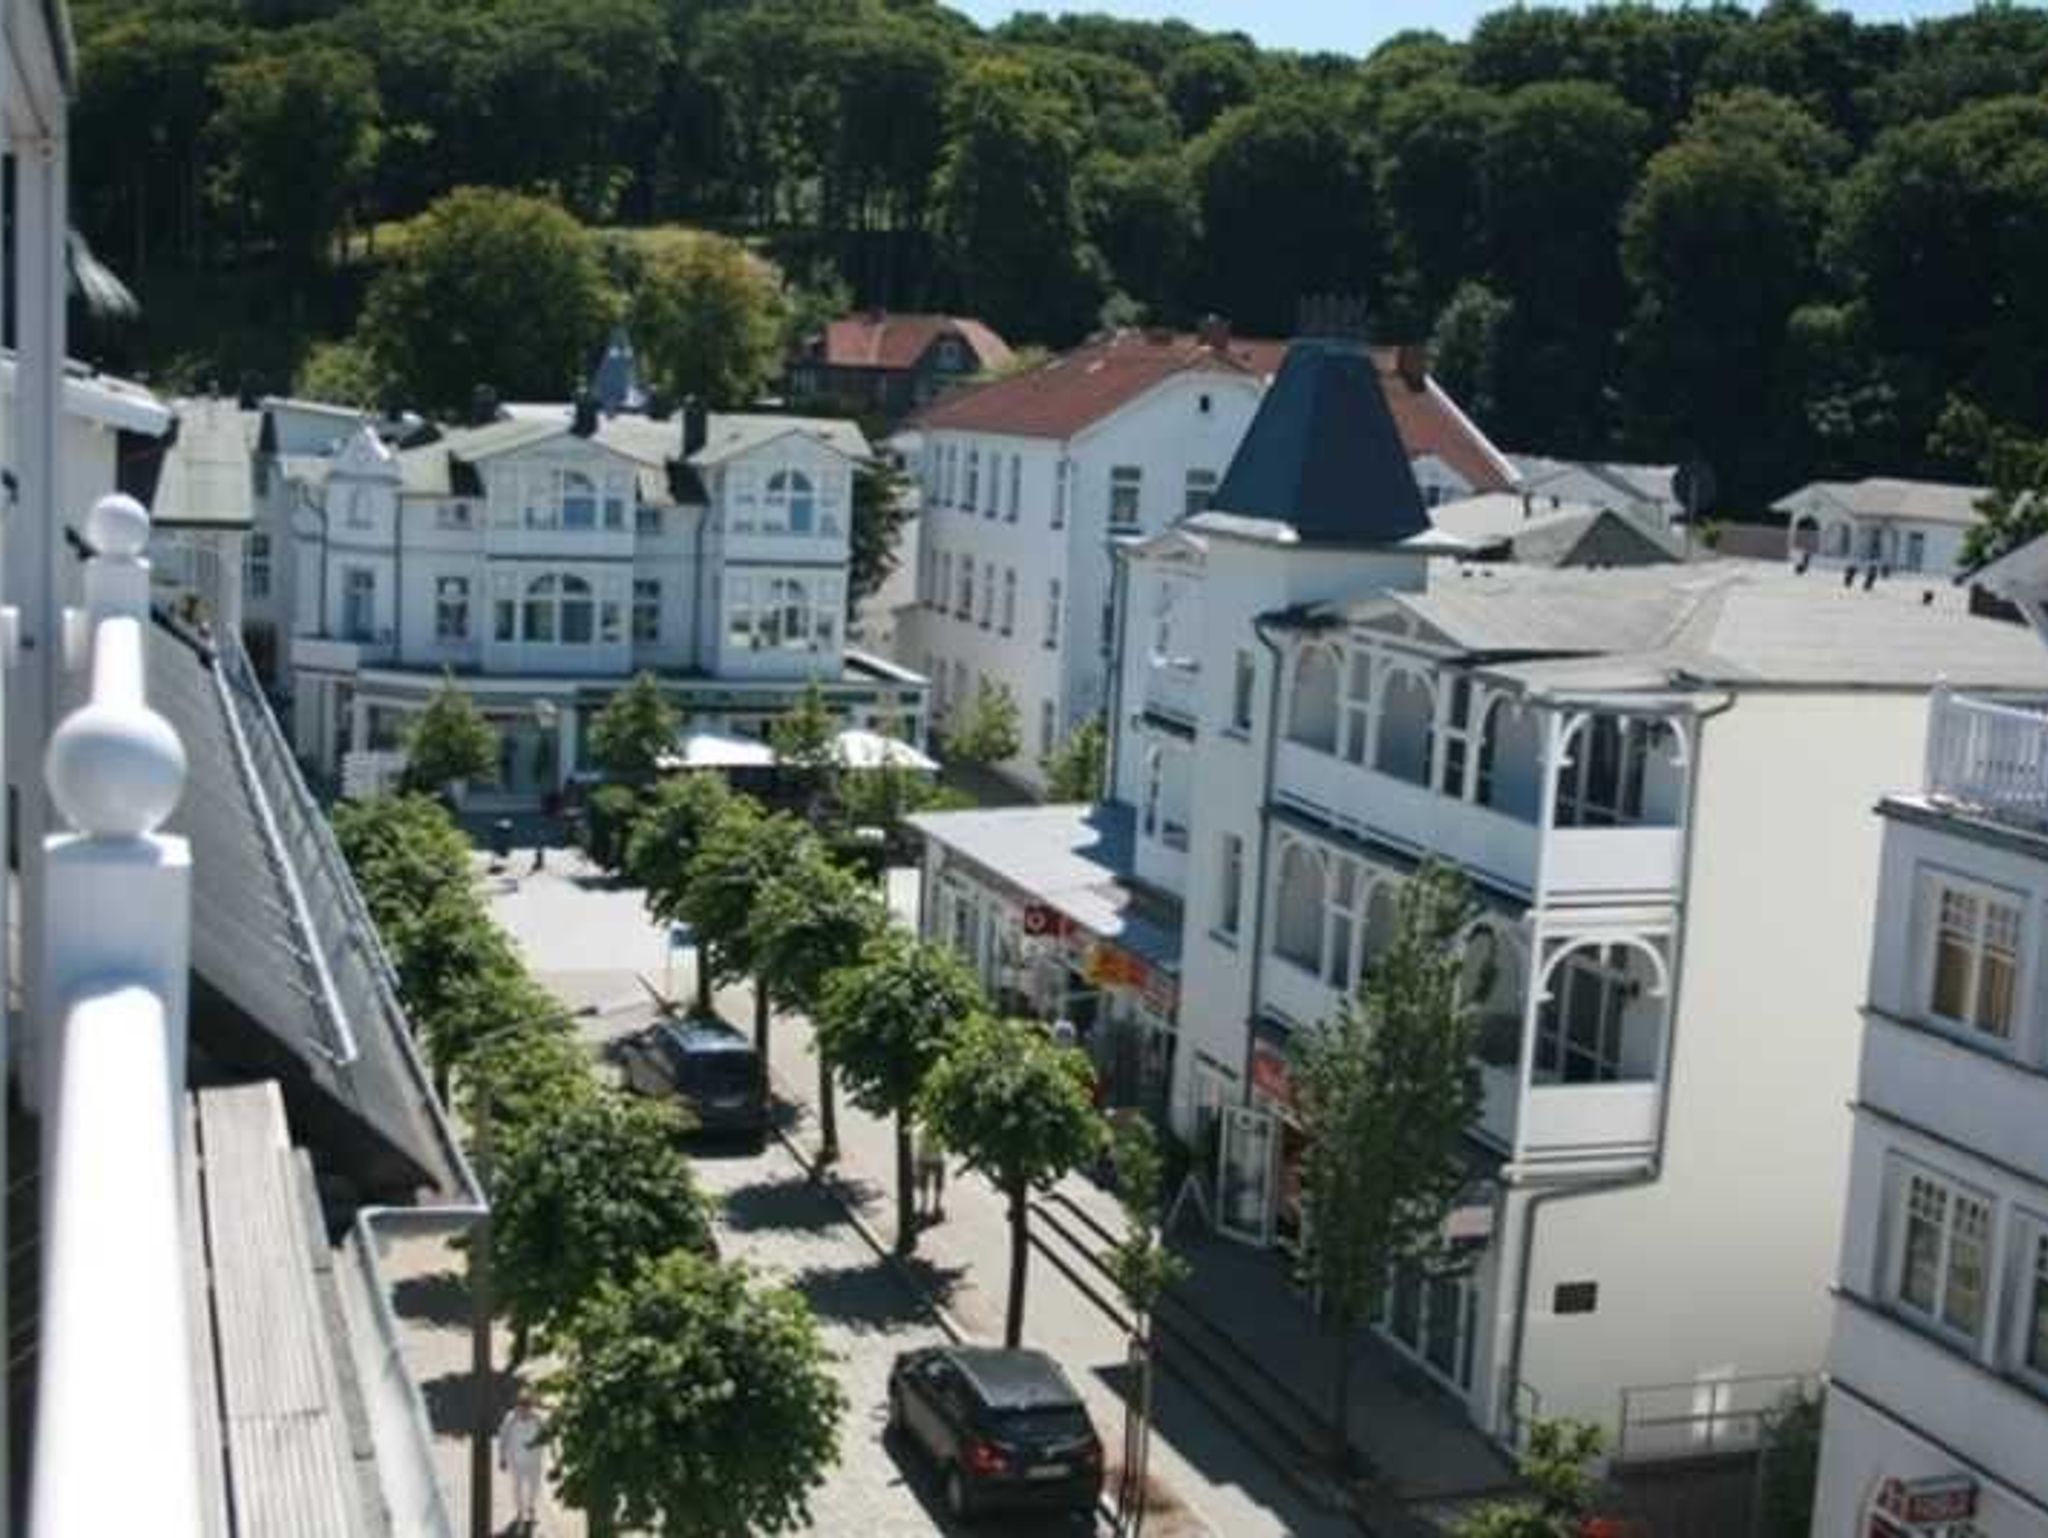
956 1496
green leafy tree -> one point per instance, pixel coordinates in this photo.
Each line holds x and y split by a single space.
609 815
806 742
524 1077
1433 136
1073 770
739 855
987 731
811 918
708 314
695 1403
671 825
1206 81
487 288
1468 347
297 135
1386 1093
1142 1268
1005 198
449 741
404 852
1790 1470
343 373
1285 189
880 509
1021 1110
589 1194
886 1020
2014 465
635 730
1556 1468
1139 215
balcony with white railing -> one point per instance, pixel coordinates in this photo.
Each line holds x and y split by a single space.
115 932
1990 756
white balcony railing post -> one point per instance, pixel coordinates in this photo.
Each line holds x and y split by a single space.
116 1356
1989 755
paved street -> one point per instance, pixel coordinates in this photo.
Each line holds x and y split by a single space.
593 944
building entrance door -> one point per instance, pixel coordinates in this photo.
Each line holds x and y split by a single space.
1244 1175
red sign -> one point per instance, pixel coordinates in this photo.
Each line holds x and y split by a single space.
1270 1076
1924 1502
1043 921
1108 967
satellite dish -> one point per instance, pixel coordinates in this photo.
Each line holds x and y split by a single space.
1693 486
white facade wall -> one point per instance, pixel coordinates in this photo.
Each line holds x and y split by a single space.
1910 1397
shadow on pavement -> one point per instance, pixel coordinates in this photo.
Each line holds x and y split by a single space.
779 1204
870 1297
452 1402
439 1298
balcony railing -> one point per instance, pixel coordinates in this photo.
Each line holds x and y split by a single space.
1989 755
115 951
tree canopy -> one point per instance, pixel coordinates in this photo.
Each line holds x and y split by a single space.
637 726
449 741
1546 196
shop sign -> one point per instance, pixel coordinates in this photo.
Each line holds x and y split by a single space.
1162 994
1270 1075
1042 921
1927 1502
1108 967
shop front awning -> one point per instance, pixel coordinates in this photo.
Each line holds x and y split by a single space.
863 749
718 750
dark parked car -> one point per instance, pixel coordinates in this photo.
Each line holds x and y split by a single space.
1004 1428
706 1064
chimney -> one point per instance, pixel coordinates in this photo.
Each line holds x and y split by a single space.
483 406
1215 333
1411 362
584 422
696 425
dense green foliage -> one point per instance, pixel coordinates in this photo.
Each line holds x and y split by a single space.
449 741
985 730
1556 1468
637 726
695 1404
1780 240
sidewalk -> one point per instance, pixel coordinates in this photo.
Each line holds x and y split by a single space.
1208 1480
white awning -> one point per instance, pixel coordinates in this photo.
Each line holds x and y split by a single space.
719 750
862 749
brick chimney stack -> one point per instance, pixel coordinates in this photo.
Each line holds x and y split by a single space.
1411 361
1215 333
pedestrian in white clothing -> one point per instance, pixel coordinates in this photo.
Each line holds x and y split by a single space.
519 1452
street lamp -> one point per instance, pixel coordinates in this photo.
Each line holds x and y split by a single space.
480 1303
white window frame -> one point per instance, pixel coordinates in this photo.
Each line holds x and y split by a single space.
451 609
973 487
1016 486
1127 496
1008 624
646 611
1048 726
1936 885
1198 492
1903 1172
1054 599
359 584
1230 886
256 567
988 594
1062 482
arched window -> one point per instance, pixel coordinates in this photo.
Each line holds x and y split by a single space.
1407 718
791 496
1298 908
579 501
558 609
1312 711
1380 914
785 621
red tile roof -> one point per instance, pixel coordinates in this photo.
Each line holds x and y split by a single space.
1077 389
884 341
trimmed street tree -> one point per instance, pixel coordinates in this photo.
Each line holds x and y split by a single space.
672 823
585 1196
1143 1268
886 1021
811 919
1019 1109
987 731
741 852
881 507
404 852
637 726
1386 1093
694 1405
806 742
522 1079
1555 1466
450 741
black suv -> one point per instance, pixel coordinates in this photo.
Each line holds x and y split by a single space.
706 1064
1004 1428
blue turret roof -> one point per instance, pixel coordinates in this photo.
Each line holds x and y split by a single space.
1323 454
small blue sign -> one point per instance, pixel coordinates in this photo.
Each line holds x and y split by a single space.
679 937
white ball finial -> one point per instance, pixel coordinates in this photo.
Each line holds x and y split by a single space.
115 771
118 526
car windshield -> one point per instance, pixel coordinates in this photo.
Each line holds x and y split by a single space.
1045 1423
718 1072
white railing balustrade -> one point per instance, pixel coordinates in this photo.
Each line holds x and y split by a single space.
115 1345
1989 755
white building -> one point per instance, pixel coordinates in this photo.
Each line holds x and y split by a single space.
1029 481
1937 1407
545 557
1894 525
1639 491
1657 781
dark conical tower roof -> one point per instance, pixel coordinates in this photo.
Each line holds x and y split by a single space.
616 384
1323 453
